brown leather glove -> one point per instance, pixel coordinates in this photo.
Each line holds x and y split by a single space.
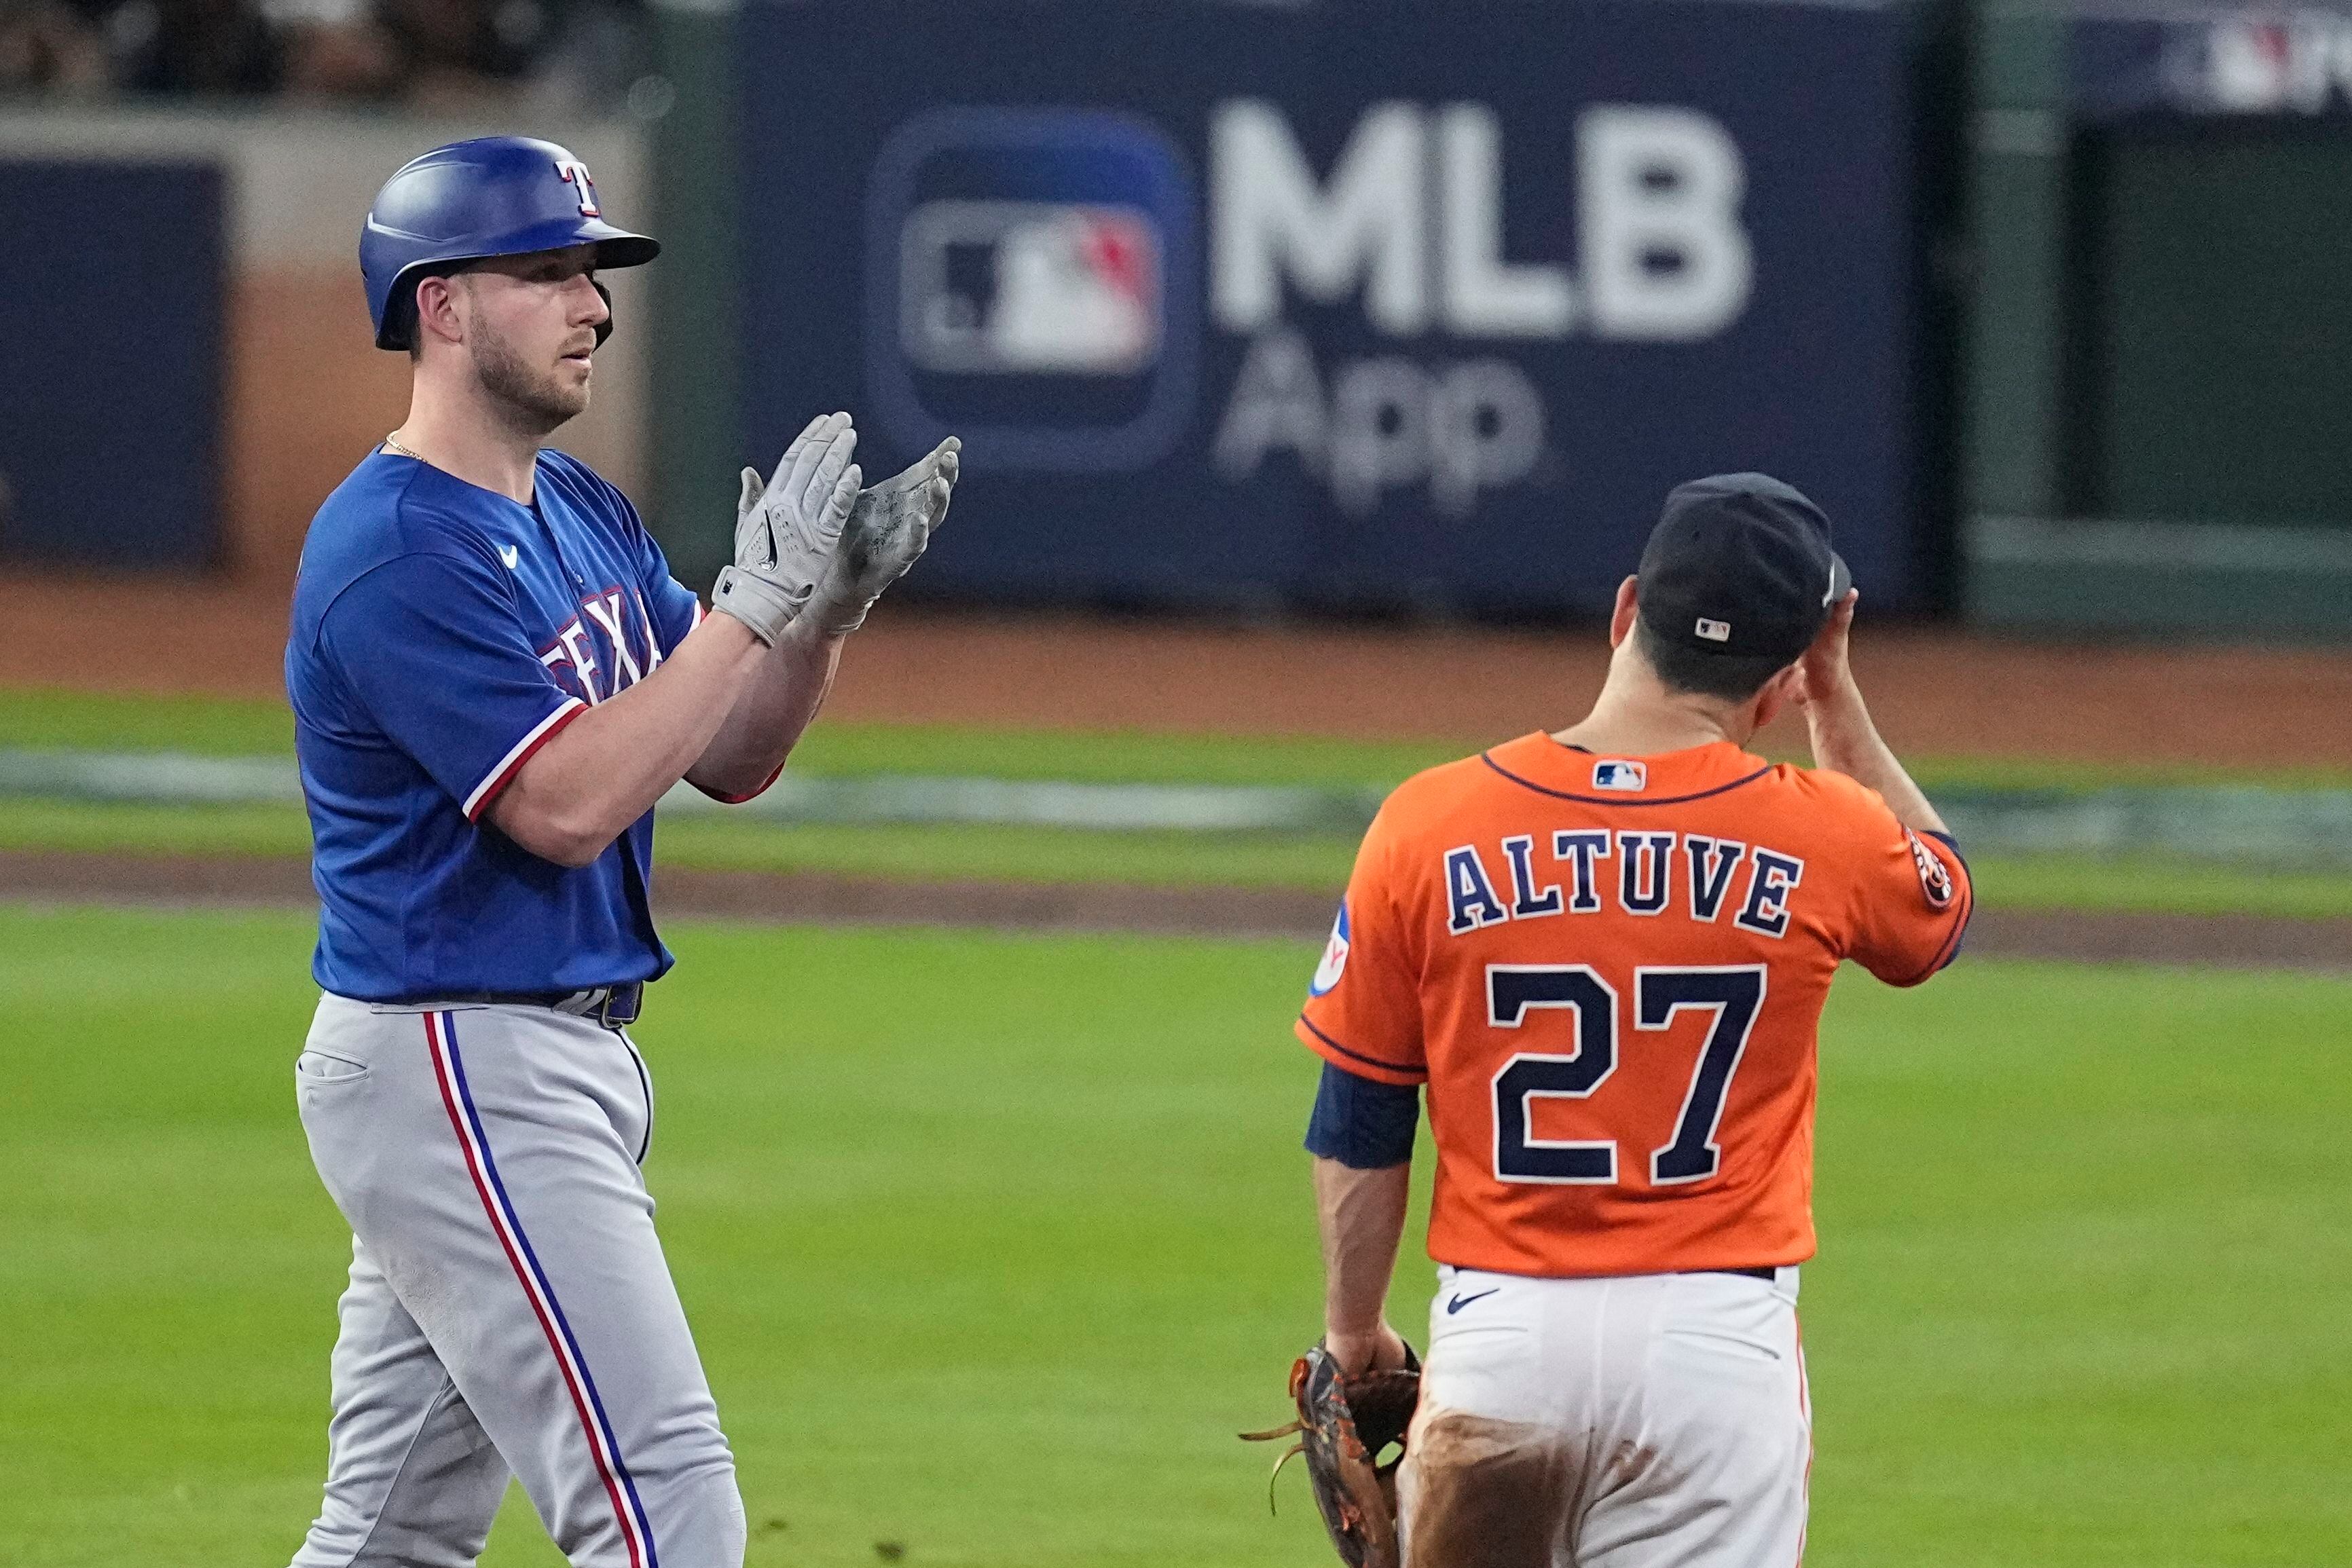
1343 1425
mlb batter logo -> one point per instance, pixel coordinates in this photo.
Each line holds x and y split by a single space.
1030 288
1628 777
1335 957
1032 285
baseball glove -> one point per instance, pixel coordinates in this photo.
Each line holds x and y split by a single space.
1343 1425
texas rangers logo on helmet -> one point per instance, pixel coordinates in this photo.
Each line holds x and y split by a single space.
576 172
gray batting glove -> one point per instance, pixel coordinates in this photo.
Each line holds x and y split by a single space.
788 530
889 529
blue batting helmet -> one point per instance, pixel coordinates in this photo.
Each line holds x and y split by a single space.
496 195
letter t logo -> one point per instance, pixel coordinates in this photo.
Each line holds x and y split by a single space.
576 172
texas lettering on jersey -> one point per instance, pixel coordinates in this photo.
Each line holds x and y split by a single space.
1609 973
605 648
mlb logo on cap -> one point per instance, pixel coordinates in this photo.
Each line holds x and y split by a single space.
1628 777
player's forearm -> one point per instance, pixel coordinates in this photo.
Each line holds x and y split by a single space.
1361 1216
608 767
1846 741
776 706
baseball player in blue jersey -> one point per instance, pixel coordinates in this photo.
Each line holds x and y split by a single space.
494 677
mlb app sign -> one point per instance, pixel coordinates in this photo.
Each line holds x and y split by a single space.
1337 305
1032 287
1048 319
1411 221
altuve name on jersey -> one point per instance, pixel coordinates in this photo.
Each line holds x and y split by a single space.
1634 872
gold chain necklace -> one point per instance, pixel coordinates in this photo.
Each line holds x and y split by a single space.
394 447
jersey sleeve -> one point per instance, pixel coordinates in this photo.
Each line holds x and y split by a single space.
1913 898
669 604
433 647
675 611
1363 1005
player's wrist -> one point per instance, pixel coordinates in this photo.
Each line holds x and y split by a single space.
736 634
836 614
1354 1352
810 630
1361 1348
759 602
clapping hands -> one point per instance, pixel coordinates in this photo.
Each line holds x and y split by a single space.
809 541
889 528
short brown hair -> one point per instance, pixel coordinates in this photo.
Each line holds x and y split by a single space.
1735 677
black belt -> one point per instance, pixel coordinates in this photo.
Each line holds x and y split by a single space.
1743 1273
610 1006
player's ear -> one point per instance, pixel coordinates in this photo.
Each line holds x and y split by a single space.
437 310
1621 618
1777 693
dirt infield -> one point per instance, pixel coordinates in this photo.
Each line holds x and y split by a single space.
1936 692
2229 941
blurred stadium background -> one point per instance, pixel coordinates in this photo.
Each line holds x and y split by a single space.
1321 368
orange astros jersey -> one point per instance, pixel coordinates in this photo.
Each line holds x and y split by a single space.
1609 972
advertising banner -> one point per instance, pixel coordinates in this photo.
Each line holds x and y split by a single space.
2221 62
1420 306
110 363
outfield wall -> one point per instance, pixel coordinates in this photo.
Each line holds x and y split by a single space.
303 392
2160 407
1299 305
1330 306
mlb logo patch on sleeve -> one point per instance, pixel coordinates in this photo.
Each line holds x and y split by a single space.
1935 877
1628 777
1335 957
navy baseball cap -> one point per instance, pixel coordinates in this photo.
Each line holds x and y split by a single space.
1741 564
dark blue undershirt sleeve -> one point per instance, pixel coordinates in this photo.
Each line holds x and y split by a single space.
1364 1125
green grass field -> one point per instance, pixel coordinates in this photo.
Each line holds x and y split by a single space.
223 726
991 1242
1150 858
1320 861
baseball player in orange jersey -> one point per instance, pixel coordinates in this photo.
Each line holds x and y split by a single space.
1605 953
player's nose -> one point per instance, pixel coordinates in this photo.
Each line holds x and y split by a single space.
591 305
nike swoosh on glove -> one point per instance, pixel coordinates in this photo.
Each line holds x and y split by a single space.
789 530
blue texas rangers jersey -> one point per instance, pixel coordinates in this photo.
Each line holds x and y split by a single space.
442 633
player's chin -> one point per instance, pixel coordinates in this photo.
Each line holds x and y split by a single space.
571 383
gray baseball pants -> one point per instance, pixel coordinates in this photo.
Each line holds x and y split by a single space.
509 1310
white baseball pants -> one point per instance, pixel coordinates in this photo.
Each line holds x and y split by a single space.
1652 1421
509 1309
